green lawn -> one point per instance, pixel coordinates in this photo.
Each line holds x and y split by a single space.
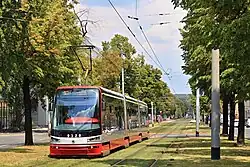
187 152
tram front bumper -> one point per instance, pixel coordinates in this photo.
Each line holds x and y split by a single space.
75 150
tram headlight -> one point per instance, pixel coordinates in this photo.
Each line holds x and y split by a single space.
93 139
52 139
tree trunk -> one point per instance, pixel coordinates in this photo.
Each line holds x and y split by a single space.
232 117
19 117
225 116
241 126
210 120
27 111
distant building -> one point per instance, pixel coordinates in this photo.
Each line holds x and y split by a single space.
247 110
41 116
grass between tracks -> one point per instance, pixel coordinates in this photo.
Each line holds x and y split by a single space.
170 152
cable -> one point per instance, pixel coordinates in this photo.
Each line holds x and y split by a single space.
170 85
98 52
161 23
133 33
144 34
151 47
159 14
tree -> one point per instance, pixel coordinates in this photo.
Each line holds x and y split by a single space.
241 126
40 55
142 81
220 25
225 115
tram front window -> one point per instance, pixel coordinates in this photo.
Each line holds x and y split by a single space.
76 111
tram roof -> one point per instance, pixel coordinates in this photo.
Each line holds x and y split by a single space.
121 96
117 94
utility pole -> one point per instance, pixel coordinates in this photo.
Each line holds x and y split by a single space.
152 113
155 115
124 98
197 111
215 130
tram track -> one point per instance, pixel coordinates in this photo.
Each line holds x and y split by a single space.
172 127
156 131
171 144
154 161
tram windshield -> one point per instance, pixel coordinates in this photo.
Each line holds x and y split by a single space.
76 110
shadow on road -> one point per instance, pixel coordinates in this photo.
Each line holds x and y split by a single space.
17 150
174 162
189 152
190 143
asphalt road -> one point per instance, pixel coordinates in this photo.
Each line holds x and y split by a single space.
247 132
13 140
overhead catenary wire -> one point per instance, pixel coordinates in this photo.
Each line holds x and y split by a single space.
133 34
159 14
121 18
145 36
98 52
161 23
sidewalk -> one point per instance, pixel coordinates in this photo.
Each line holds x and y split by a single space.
35 130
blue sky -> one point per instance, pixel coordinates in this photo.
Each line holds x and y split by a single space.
106 3
164 39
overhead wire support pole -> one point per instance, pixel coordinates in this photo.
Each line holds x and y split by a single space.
124 97
152 113
197 112
215 129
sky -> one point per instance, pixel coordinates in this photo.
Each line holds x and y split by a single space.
165 39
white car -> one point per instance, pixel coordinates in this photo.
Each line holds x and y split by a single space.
236 123
248 122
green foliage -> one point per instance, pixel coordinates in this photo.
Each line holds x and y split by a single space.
40 50
34 40
142 81
216 24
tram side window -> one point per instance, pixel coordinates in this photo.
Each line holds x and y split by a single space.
143 116
112 116
133 121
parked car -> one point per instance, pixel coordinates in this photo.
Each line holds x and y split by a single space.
236 123
248 122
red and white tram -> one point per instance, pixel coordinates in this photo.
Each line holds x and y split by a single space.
89 121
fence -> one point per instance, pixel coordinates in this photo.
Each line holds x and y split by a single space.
6 116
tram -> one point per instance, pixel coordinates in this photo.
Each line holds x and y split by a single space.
90 121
